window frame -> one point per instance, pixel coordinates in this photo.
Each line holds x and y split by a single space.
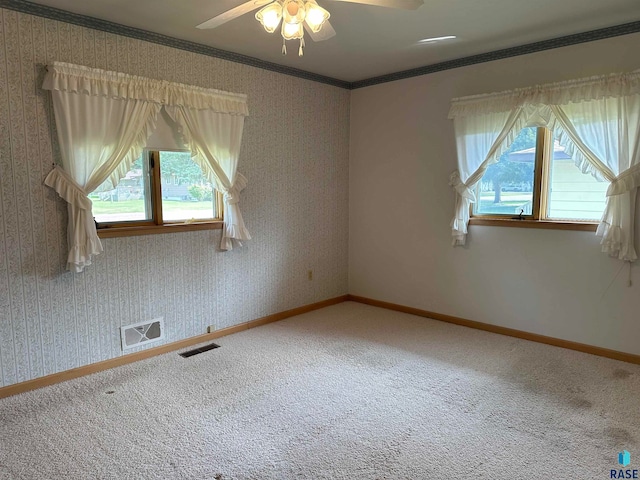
157 225
537 219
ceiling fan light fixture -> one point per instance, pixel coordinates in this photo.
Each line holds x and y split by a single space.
293 11
270 16
315 15
298 15
292 31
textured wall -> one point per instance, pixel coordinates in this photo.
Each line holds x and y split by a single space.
295 155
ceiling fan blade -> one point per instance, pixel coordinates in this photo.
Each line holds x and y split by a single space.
233 13
325 33
403 4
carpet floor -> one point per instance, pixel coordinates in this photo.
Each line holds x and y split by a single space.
346 392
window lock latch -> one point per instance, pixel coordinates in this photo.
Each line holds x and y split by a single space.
519 217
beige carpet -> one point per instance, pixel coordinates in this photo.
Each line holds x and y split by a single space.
347 392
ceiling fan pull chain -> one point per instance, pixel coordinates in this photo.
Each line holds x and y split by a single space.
284 47
300 50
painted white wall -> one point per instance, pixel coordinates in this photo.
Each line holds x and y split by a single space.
402 150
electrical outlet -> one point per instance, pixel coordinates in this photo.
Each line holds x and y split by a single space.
310 274
211 329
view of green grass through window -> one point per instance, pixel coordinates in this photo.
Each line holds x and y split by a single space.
186 193
507 187
129 201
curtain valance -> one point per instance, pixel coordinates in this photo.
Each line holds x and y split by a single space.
559 93
66 77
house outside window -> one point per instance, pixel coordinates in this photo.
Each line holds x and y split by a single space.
536 179
160 188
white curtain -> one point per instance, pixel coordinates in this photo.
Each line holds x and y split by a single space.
596 119
480 140
104 120
99 139
214 139
607 133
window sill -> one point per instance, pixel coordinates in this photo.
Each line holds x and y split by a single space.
112 232
548 224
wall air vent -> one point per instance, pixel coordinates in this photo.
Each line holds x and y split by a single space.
142 333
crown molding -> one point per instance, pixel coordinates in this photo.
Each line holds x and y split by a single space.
590 36
115 28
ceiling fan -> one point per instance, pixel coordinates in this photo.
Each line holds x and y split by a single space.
297 16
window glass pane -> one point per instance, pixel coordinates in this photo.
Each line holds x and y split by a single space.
186 192
128 201
573 195
507 186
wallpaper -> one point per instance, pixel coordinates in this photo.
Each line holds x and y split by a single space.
294 153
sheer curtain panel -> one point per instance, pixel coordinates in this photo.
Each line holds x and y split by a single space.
100 137
608 130
214 140
481 139
104 120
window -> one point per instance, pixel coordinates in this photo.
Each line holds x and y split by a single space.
536 181
596 119
98 132
162 190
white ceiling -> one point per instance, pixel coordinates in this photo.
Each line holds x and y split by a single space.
370 41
